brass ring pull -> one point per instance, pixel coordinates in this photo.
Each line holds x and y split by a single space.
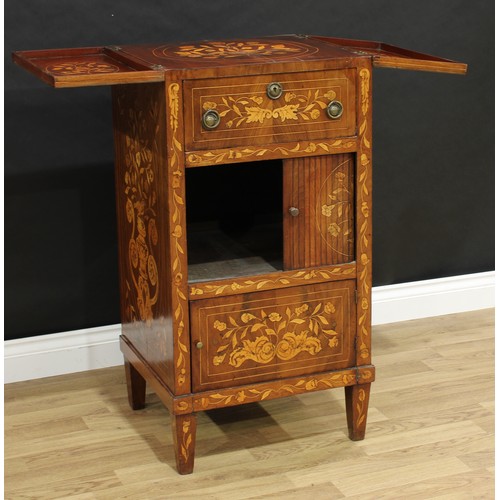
274 90
334 110
210 119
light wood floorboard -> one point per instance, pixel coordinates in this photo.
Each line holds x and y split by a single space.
429 433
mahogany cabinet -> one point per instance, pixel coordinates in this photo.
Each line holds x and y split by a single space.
243 188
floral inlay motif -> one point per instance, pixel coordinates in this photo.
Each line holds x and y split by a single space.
182 406
256 109
219 50
175 173
214 157
82 68
187 440
361 408
309 384
364 197
263 336
338 208
141 213
312 275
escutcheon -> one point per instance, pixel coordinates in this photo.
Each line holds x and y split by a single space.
274 90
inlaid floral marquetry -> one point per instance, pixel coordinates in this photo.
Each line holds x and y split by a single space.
364 219
334 209
309 327
270 391
308 106
141 200
81 68
263 336
187 440
177 237
249 117
248 153
235 50
322 232
270 281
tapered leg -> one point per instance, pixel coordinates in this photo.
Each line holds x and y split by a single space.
184 433
136 387
356 403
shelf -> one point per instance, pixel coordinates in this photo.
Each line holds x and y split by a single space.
234 220
214 254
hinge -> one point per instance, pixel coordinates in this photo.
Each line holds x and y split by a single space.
356 295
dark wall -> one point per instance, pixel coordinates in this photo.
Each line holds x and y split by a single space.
433 142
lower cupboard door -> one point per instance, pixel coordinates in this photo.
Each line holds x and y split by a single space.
242 339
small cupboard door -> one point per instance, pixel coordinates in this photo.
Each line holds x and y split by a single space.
242 339
318 208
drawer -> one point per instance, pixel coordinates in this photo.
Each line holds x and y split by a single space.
248 116
261 336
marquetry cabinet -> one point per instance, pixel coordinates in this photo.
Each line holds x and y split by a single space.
243 188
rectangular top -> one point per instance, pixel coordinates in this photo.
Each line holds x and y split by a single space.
148 63
206 53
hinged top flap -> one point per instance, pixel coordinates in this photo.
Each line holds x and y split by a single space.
388 56
83 67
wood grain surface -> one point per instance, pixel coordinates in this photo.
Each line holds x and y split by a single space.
249 117
272 335
142 213
265 337
322 189
429 433
87 66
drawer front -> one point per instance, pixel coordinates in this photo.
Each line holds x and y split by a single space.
261 336
248 116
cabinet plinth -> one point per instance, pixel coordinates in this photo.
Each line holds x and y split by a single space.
244 188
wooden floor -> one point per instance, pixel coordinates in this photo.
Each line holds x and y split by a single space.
429 433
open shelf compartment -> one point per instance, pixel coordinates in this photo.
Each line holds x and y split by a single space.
235 229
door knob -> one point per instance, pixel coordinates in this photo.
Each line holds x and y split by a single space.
293 211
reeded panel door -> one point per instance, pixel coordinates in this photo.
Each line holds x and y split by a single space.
318 206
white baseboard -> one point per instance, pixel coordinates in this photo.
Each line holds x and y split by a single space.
61 353
82 350
424 299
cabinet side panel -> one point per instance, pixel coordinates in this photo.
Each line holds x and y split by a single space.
322 189
140 160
